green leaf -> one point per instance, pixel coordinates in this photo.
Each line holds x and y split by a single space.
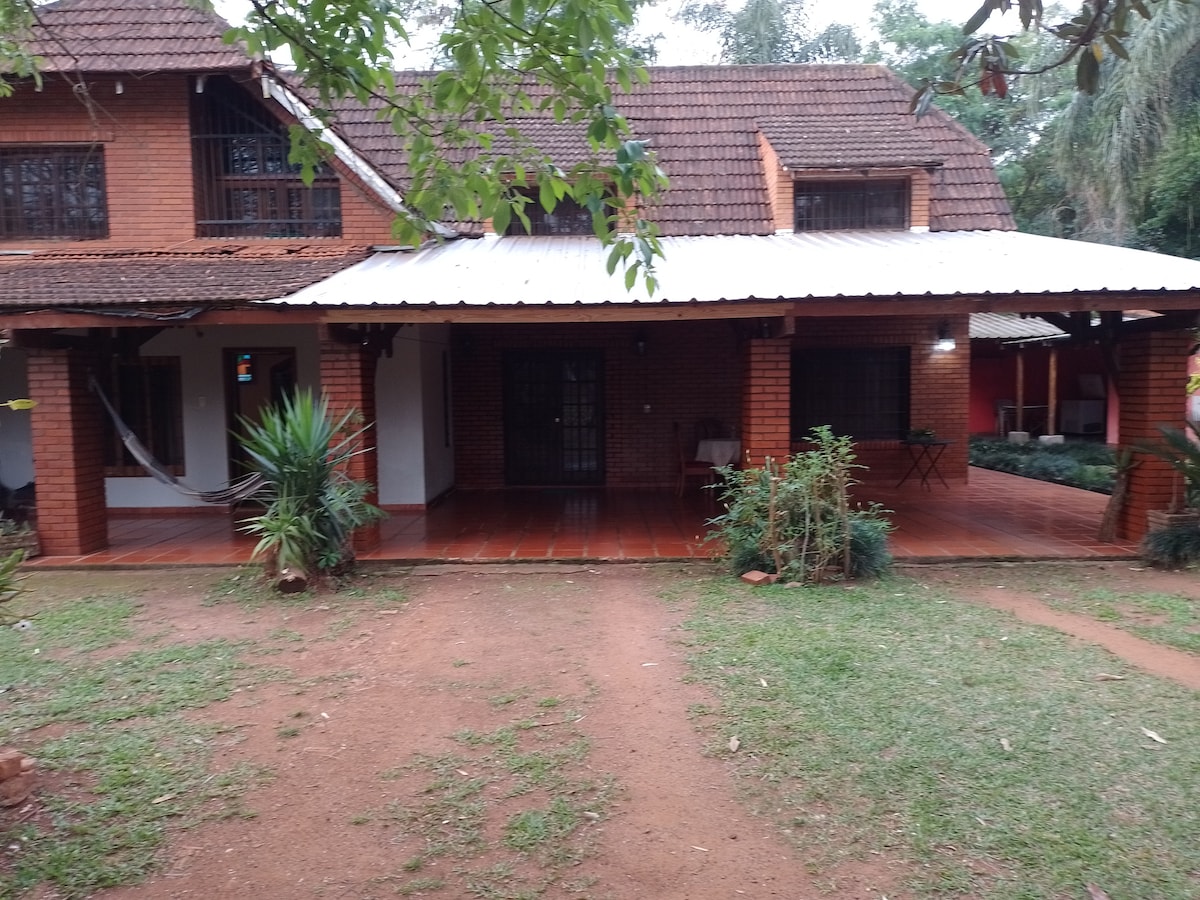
1116 47
1087 73
981 15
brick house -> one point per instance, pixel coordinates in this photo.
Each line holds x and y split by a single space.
823 252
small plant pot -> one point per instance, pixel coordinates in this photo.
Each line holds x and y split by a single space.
1158 519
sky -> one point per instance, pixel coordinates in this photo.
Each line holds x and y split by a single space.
684 46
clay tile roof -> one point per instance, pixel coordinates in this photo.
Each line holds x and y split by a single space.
703 123
841 141
132 36
203 273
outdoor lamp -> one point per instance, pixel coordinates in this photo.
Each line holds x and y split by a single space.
945 341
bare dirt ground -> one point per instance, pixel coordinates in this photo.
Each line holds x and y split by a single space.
401 681
367 692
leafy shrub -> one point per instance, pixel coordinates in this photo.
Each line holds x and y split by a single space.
1082 464
1173 547
795 519
1051 467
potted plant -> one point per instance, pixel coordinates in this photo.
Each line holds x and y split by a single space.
1181 450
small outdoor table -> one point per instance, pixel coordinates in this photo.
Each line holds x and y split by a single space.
925 456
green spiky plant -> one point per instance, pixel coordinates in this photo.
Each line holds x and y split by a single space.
10 585
312 503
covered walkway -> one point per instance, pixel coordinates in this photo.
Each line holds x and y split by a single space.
995 517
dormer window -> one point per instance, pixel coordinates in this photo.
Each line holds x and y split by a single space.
245 185
858 205
569 217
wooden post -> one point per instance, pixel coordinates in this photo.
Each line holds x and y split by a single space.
1052 390
1020 400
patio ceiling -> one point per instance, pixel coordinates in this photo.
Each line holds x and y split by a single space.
805 268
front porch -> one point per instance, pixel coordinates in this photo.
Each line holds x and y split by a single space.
994 516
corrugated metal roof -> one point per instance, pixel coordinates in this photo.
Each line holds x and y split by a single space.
1004 327
513 271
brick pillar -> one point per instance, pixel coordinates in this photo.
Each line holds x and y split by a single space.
767 400
348 380
68 454
1150 385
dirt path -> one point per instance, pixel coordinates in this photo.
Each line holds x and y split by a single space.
403 681
980 585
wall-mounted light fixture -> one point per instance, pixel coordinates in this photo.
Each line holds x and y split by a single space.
945 340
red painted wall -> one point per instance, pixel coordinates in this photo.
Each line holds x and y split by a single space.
994 378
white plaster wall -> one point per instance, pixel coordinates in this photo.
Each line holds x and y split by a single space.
439 452
16 445
204 428
414 464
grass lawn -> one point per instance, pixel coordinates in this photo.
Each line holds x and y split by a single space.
896 719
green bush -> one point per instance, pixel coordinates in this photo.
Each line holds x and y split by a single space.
795 519
1082 464
1173 547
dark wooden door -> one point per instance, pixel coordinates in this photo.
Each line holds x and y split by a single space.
254 378
554 417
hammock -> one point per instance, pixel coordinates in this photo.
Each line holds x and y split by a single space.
234 492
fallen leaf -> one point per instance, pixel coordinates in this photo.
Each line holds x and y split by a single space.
163 799
1006 745
734 743
763 682
701 849
649 664
1154 736
1104 676
1096 894
463 773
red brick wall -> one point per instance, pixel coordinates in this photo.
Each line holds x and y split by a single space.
1151 387
146 141
348 380
690 371
767 400
68 441
694 370
939 384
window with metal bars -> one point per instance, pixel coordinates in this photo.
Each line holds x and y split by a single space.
860 392
569 217
245 184
851 205
53 192
147 392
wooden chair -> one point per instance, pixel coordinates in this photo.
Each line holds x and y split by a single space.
689 467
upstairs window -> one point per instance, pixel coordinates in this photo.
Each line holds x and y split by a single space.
860 392
52 192
245 186
851 205
568 218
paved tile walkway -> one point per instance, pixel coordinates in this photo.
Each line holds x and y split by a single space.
995 516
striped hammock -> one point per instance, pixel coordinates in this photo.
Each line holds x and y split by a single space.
234 492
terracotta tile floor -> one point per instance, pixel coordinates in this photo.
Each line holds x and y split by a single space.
995 516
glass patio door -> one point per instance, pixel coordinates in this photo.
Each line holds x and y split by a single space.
553 418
